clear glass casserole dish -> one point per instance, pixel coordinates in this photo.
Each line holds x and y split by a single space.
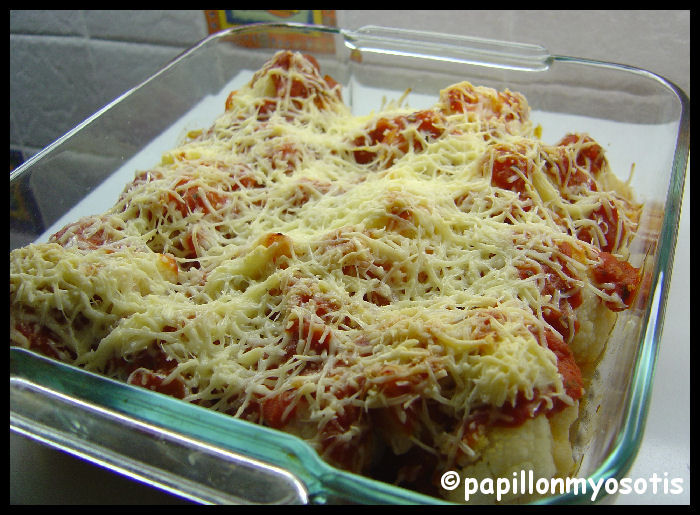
641 120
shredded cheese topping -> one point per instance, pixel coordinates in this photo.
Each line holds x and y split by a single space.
343 277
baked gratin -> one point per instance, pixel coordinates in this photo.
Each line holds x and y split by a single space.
410 291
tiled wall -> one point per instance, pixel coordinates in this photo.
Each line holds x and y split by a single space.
65 65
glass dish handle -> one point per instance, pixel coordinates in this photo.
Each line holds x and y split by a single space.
172 462
445 47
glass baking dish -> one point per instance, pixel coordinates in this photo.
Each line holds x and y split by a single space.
641 119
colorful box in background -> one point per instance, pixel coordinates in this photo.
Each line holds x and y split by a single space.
221 19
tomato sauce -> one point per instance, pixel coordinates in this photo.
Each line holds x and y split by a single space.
83 233
508 169
157 383
45 341
606 217
465 98
393 132
616 276
590 157
276 410
308 83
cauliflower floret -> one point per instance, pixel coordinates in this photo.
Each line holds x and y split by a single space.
561 439
540 444
596 322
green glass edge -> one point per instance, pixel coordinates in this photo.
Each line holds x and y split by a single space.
273 447
629 440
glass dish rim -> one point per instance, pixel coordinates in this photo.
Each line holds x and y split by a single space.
619 461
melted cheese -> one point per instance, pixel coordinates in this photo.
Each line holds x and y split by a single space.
341 264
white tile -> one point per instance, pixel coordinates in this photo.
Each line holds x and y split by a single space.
48 91
57 82
48 22
118 66
179 28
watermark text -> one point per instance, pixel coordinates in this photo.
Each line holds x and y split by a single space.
525 483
